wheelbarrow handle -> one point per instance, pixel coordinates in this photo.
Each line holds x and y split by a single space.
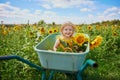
89 62
7 57
92 63
20 59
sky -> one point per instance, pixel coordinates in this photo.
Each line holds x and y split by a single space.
58 11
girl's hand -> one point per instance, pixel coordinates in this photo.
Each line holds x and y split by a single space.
80 51
54 49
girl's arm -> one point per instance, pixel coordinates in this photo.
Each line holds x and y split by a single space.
56 45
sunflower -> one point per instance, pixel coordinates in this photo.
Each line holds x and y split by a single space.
96 42
50 31
42 30
4 32
80 39
55 30
89 27
31 34
115 33
113 28
8 29
78 29
98 27
3 26
35 27
16 28
91 46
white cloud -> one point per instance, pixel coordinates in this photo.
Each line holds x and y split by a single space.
64 3
112 15
110 10
37 12
50 13
47 6
109 14
85 10
119 12
8 2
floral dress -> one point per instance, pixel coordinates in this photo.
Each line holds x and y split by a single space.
65 44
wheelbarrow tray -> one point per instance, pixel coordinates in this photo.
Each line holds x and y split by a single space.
65 61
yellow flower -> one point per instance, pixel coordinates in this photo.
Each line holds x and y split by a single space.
98 27
96 42
80 39
4 32
61 46
89 27
115 33
42 30
68 41
8 29
78 29
34 27
55 30
3 26
50 31
91 46
113 27
87 39
16 28
31 34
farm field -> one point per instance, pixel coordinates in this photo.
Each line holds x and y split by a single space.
20 39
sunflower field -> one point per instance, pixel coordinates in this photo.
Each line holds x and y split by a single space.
20 39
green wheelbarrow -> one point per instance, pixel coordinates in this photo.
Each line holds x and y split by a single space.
64 62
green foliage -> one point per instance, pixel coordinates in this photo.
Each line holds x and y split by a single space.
41 23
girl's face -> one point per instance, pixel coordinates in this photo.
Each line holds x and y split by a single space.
68 31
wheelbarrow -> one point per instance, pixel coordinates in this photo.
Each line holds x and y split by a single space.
64 62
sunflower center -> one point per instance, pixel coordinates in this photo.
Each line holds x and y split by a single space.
80 39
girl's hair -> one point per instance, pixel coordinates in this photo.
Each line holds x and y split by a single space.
67 24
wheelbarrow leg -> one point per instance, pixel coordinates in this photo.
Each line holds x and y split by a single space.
87 63
51 75
43 75
78 76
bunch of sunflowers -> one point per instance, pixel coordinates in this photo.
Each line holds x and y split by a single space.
79 43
